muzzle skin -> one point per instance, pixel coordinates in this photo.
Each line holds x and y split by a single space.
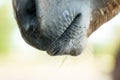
59 27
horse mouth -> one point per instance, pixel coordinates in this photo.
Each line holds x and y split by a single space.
68 43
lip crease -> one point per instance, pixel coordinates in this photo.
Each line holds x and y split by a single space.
52 50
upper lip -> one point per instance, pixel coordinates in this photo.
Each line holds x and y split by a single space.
53 50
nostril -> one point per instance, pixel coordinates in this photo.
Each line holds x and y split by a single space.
31 8
77 16
75 20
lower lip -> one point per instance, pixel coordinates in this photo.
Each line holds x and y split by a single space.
58 46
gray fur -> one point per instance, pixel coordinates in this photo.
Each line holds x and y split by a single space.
56 26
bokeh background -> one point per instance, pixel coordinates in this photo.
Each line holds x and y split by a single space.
19 61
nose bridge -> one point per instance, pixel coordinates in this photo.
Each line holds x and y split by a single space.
41 6
47 6
50 6
50 10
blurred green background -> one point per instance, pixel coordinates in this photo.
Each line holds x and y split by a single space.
19 61
6 27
